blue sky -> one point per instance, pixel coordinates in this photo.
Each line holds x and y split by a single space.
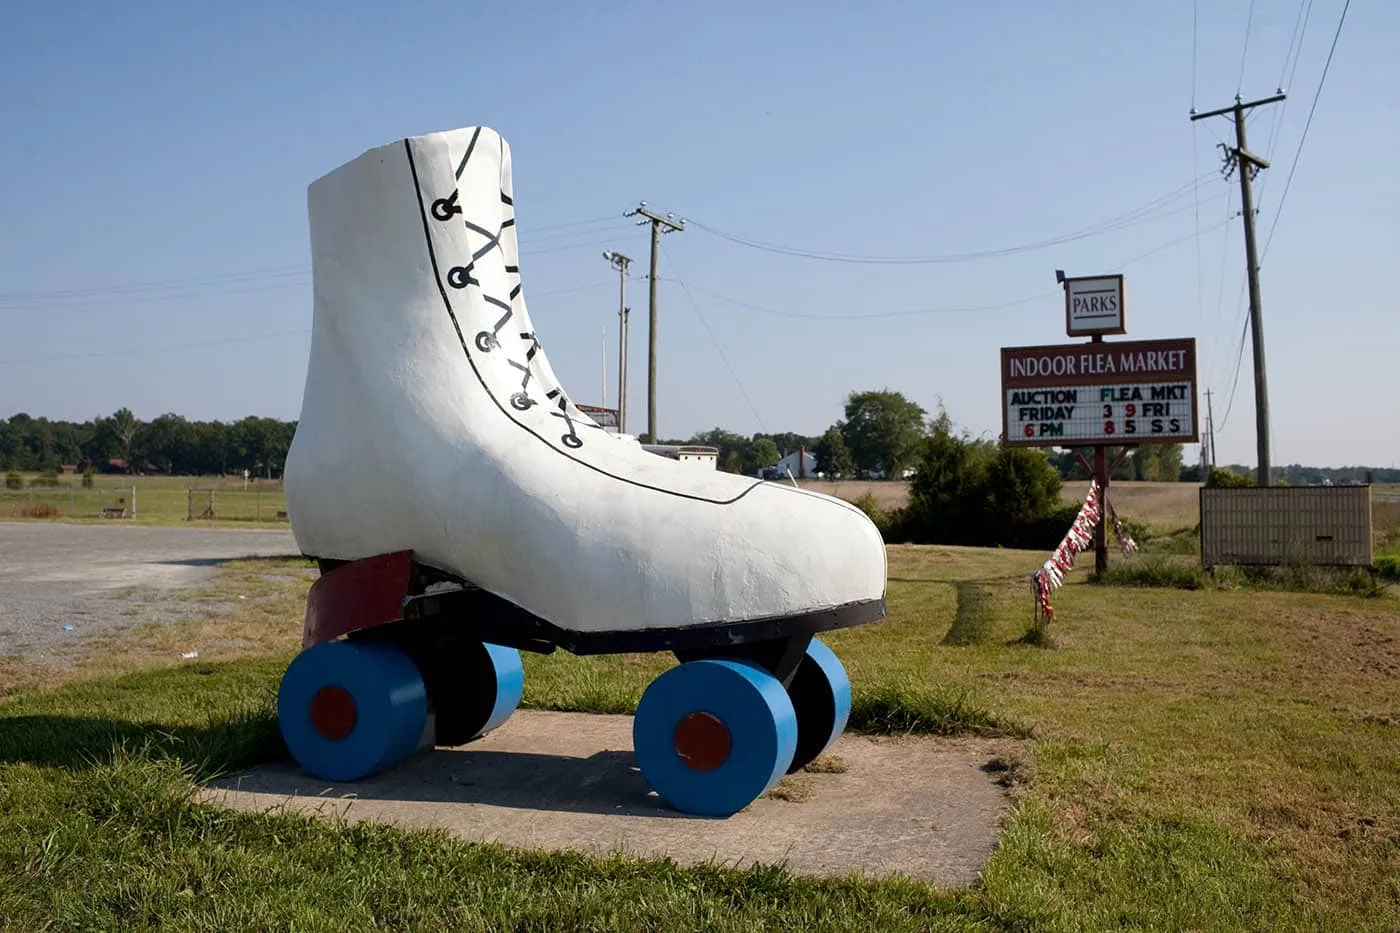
156 157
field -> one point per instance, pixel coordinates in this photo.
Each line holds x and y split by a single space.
1216 759
888 494
159 500
1165 507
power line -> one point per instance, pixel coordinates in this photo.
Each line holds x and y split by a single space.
722 355
877 315
1196 225
533 236
1248 25
178 346
275 272
914 312
251 289
1234 384
1150 211
1220 294
1165 246
1195 31
148 299
251 276
1285 80
1317 95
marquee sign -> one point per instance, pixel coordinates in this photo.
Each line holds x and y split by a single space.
1128 392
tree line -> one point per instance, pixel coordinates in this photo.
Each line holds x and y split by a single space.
170 444
881 434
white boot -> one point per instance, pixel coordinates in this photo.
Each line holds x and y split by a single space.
432 422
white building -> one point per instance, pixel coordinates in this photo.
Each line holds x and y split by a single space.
801 464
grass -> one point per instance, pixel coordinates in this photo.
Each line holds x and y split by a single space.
1207 759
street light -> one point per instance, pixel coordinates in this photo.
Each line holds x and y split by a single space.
620 263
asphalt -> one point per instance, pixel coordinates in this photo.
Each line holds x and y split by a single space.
98 578
923 808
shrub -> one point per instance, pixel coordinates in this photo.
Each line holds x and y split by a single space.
47 478
1220 478
1388 566
13 480
38 511
88 474
972 492
890 522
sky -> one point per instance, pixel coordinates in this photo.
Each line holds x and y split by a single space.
154 247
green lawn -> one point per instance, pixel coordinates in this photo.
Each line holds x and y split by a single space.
1193 760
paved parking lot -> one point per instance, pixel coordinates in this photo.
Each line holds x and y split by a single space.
87 576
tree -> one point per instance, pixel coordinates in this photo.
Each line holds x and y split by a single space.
1159 463
788 442
123 425
734 449
166 444
1022 490
882 431
968 491
833 457
947 487
765 453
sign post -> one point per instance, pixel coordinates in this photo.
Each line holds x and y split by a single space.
1094 307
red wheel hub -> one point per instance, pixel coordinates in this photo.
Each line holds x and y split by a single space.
702 741
333 713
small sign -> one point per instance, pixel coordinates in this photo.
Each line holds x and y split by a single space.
1094 305
1133 392
603 417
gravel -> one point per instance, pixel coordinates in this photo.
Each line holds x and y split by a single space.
98 578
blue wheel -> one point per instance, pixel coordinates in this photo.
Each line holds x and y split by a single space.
711 736
821 695
348 709
474 687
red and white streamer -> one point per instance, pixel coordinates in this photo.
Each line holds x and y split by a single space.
1080 537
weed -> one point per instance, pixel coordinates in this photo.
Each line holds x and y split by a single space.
38 511
1154 570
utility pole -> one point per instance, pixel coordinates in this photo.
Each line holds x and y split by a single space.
1210 432
620 263
1248 165
672 225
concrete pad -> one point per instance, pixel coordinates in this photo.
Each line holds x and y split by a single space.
920 807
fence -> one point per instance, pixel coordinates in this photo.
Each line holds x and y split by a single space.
168 502
1320 525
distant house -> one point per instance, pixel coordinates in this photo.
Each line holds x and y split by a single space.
68 469
800 463
118 464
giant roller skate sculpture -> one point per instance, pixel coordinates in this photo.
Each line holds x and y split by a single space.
462 509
